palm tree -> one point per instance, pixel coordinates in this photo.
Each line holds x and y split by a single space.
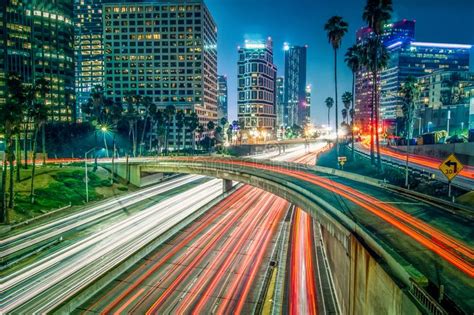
336 28
344 113
200 131
409 92
147 105
376 14
180 116
375 58
170 112
210 127
347 100
354 62
192 123
329 104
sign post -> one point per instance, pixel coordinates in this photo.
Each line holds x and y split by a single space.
342 160
451 167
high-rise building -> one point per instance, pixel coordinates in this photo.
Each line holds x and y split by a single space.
88 48
307 114
165 50
256 87
38 42
222 97
403 31
295 85
280 102
407 58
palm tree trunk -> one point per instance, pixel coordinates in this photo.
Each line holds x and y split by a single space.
18 157
377 140
43 142
3 199
33 168
142 144
113 160
372 127
25 144
95 151
105 145
337 107
353 114
12 170
329 117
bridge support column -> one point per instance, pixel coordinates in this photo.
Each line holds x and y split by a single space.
226 185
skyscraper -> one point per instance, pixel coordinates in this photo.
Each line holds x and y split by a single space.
307 109
280 102
164 50
256 87
295 85
88 48
222 97
37 42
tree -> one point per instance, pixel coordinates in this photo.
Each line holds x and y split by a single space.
160 126
354 62
170 112
180 116
336 28
409 92
200 131
375 58
147 105
11 118
347 100
376 14
344 113
192 123
329 104
132 115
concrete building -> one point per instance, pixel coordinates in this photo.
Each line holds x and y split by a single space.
256 88
222 97
280 102
295 85
88 48
445 95
163 50
38 42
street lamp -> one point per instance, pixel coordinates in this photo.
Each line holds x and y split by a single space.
104 129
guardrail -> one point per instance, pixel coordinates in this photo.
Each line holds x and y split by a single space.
427 301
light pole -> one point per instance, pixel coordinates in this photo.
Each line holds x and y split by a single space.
104 131
87 178
447 124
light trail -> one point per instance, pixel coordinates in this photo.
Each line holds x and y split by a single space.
443 245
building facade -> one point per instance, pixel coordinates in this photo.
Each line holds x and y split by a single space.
256 87
38 42
443 95
295 85
401 31
307 115
88 48
280 102
222 97
163 50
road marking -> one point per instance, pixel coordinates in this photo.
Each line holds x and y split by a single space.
133 298
399 202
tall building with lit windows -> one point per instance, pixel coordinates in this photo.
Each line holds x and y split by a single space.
88 48
256 88
280 102
38 42
407 57
222 97
295 85
165 50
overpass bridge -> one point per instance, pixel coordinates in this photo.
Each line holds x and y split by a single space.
389 253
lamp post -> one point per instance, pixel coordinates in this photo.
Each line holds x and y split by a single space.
104 131
87 178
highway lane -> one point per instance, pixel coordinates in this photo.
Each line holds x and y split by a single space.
423 163
70 269
90 215
210 267
420 234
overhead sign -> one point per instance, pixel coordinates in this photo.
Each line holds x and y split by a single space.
451 167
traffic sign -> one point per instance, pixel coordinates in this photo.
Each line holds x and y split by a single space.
342 160
451 167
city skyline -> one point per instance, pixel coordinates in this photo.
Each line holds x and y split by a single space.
232 27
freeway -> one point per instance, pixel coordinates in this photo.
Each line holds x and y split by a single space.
45 283
437 243
211 267
30 238
464 180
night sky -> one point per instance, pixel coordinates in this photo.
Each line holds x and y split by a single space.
301 22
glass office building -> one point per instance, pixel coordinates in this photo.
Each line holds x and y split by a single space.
222 97
280 102
256 87
38 42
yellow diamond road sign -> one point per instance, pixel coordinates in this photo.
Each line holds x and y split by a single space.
451 167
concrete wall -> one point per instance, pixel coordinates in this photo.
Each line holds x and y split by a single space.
362 285
463 151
